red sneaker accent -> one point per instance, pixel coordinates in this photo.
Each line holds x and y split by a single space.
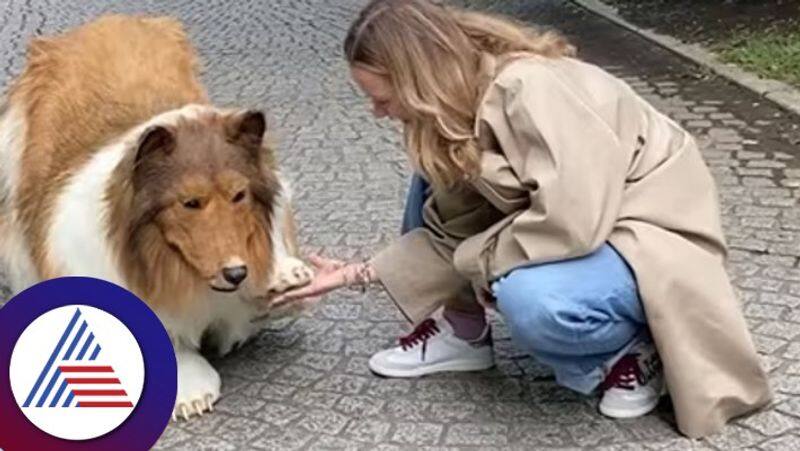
624 374
629 371
420 334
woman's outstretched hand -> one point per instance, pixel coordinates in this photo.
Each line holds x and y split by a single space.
329 274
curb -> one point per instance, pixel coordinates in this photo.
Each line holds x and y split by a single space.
779 92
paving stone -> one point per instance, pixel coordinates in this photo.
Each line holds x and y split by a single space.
172 437
280 415
280 439
388 388
676 444
793 351
440 390
411 410
206 443
241 404
519 410
790 406
792 274
316 399
358 365
243 431
318 361
536 436
368 430
334 443
784 443
341 311
273 392
771 363
766 311
767 345
417 433
765 164
298 376
342 383
591 433
473 434
771 423
359 406
780 329
323 421
793 368
754 171
734 437
650 429
454 411
787 384
491 389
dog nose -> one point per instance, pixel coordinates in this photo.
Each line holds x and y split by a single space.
235 274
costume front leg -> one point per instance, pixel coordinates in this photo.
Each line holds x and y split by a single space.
198 384
288 270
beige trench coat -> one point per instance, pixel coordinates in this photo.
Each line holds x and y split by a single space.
573 157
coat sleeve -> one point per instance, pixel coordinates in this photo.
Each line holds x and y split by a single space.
568 159
417 269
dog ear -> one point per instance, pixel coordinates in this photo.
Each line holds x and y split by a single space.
247 129
155 139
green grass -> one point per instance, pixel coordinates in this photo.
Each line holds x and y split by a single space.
773 54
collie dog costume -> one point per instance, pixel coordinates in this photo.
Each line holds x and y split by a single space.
114 165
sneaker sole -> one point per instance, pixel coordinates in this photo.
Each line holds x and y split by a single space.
614 412
461 366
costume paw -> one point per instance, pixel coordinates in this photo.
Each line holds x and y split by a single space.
290 272
195 407
198 386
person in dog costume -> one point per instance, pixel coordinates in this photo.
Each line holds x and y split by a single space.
548 190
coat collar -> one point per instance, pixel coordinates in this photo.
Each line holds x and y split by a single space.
489 69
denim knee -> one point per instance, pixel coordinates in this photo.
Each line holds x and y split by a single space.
554 309
539 318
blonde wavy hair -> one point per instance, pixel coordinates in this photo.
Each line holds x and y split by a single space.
433 57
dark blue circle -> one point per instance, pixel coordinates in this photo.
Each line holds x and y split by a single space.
152 413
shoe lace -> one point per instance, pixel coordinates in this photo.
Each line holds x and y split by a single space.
630 370
624 374
420 334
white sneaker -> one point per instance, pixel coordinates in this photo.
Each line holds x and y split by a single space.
634 384
431 348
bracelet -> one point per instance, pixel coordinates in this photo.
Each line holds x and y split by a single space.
361 278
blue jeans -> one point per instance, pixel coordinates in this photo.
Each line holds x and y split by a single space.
576 316
412 217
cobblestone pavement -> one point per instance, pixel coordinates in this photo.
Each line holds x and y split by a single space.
305 384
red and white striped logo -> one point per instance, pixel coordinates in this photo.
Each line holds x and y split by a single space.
77 372
94 386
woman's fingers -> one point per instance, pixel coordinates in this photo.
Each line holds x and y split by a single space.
317 261
328 277
319 286
324 263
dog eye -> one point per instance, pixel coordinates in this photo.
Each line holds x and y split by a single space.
238 197
192 204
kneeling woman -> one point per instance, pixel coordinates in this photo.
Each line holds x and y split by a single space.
549 190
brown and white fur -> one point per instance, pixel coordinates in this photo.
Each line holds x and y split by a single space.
114 165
